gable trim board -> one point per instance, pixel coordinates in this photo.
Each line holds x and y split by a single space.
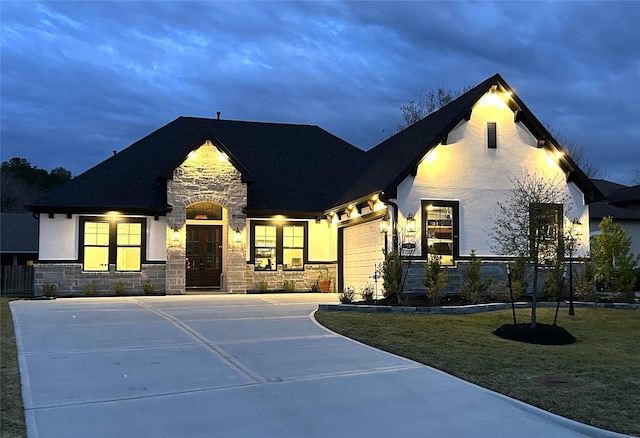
275 173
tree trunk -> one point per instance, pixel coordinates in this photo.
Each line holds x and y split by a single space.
533 297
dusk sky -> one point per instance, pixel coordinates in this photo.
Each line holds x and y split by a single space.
81 79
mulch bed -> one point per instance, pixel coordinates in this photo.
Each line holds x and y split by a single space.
543 334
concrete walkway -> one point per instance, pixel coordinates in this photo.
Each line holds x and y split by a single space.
239 366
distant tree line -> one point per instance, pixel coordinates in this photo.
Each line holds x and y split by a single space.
22 183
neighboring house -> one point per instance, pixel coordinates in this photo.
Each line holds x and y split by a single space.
18 239
622 205
19 251
238 206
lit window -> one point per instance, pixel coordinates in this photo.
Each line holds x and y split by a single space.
265 247
440 220
129 242
293 247
204 210
276 244
117 242
96 246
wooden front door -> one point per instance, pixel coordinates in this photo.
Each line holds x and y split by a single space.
204 255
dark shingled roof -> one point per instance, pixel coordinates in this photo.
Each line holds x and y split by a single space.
390 162
604 208
289 168
626 197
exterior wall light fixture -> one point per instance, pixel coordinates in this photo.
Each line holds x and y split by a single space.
237 236
411 224
175 235
384 229
384 224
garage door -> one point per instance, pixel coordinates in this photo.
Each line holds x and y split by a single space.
362 252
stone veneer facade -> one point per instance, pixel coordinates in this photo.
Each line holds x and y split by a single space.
205 176
495 269
70 280
303 281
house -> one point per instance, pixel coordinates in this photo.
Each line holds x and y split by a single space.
18 239
19 251
242 206
622 204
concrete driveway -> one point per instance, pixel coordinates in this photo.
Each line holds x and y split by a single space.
239 366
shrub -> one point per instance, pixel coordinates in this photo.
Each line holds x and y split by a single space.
435 280
553 281
289 286
367 293
613 260
262 286
519 283
90 289
474 287
148 288
499 291
346 296
119 288
584 286
391 272
49 290
315 287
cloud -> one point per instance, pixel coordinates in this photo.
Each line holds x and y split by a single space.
80 79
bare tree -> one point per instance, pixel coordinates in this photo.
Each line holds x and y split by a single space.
577 154
415 110
529 224
397 262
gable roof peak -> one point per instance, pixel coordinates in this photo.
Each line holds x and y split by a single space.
392 160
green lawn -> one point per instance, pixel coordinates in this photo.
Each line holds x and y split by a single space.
12 423
595 381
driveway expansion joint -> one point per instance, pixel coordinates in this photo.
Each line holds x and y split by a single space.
215 349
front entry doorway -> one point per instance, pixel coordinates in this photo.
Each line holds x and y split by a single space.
204 256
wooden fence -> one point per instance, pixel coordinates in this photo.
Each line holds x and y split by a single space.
17 280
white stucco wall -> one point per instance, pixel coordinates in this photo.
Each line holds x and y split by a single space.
466 170
156 239
58 238
323 237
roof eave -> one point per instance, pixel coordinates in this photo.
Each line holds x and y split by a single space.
282 214
355 201
68 210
